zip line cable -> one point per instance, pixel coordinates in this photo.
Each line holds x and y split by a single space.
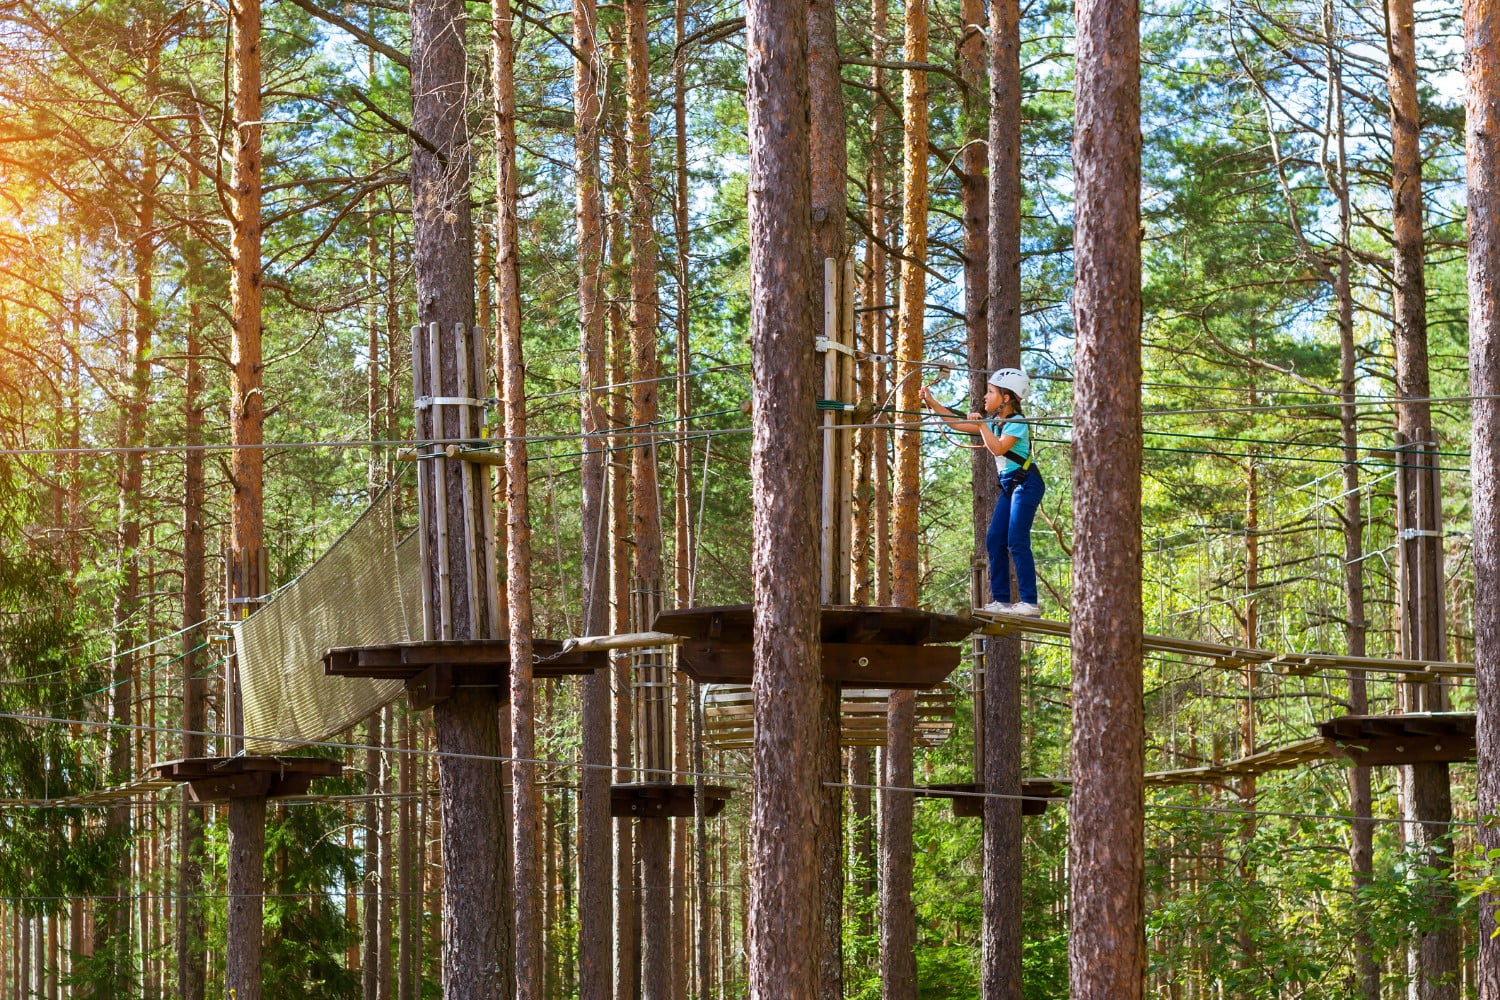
666 772
659 436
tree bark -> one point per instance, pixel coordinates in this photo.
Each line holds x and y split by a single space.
1362 828
999 735
247 845
898 914
370 936
595 901
787 806
475 965
527 856
880 338
653 721
627 906
1482 130
189 929
683 687
828 160
247 559
1434 955
1106 945
455 512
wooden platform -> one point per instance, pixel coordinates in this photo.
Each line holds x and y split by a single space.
655 799
862 646
434 670
218 779
1416 738
968 797
1236 657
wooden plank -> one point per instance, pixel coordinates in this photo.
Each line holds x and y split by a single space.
1411 750
405 660
652 799
856 664
216 779
838 624
968 797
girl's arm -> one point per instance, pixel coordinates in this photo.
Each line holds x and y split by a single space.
949 416
997 445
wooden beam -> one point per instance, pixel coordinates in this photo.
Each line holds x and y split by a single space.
855 664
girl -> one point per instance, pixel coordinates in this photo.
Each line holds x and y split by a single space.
1003 428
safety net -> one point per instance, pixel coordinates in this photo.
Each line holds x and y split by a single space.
364 591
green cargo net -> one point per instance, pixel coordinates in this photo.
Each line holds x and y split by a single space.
364 591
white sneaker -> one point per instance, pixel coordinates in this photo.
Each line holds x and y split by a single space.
996 608
1025 610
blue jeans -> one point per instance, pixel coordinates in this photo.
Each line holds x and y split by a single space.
1010 529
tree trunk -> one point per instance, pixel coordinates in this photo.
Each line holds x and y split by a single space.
683 687
526 795
408 876
652 732
1106 945
448 360
595 901
189 929
473 939
1434 956
828 160
370 938
880 444
898 915
999 735
247 559
1482 127
784 914
1362 829
247 845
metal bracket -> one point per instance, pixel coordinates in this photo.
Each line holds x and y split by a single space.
424 402
1407 534
824 344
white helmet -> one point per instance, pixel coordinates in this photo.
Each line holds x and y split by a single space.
1013 379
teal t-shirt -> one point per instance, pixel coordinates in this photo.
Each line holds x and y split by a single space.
1020 451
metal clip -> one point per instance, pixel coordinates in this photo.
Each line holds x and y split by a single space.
824 344
424 402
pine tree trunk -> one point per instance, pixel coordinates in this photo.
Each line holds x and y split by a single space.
828 153
526 796
880 444
370 937
595 900
1426 804
1000 732
1362 828
1106 826
898 914
1482 128
247 845
189 929
683 542
448 360
408 878
652 735
784 913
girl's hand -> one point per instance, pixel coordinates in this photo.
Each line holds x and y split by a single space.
927 394
975 415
